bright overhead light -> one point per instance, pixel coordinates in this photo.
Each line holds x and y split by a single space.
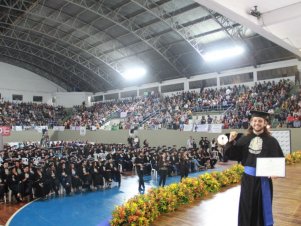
134 73
223 53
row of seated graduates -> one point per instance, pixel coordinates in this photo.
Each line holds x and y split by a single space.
31 172
151 158
34 172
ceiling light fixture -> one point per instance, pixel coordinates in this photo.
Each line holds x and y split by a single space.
134 73
220 54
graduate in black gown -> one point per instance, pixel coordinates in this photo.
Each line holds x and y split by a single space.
255 205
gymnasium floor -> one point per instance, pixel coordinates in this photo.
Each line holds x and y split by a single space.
90 208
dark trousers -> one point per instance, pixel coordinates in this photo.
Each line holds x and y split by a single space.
141 180
163 175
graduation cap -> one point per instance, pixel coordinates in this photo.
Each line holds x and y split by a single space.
260 114
73 153
89 158
16 159
64 159
38 166
73 158
8 160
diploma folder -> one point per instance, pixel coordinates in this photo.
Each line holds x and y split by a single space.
270 167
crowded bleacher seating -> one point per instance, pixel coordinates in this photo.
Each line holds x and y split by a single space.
156 111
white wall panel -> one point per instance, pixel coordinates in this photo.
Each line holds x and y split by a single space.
16 80
71 98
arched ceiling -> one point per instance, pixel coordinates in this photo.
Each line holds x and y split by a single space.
88 44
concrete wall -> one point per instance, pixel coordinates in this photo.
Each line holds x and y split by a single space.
155 138
72 98
237 71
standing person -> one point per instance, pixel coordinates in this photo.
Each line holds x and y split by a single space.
189 143
255 205
163 168
213 145
145 143
139 162
206 144
202 143
184 165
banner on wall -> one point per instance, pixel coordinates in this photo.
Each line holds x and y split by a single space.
17 128
77 128
215 128
39 129
5 131
82 131
284 139
59 128
123 114
188 127
202 128
106 127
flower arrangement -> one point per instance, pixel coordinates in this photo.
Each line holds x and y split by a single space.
166 201
221 178
211 184
145 208
234 173
141 210
293 158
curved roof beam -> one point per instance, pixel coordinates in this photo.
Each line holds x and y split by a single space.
12 32
156 10
82 27
169 16
38 52
185 26
235 32
54 33
143 34
91 32
176 42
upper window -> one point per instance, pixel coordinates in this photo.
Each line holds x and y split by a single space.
37 99
17 97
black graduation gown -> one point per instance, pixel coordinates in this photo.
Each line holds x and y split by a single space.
184 168
250 204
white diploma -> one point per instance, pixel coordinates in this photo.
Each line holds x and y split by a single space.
270 167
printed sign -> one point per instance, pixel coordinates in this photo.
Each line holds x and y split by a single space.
82 131
5 130
284 139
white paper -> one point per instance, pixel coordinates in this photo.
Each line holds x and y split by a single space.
270 167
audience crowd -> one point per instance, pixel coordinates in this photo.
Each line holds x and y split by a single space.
172 112
28 114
